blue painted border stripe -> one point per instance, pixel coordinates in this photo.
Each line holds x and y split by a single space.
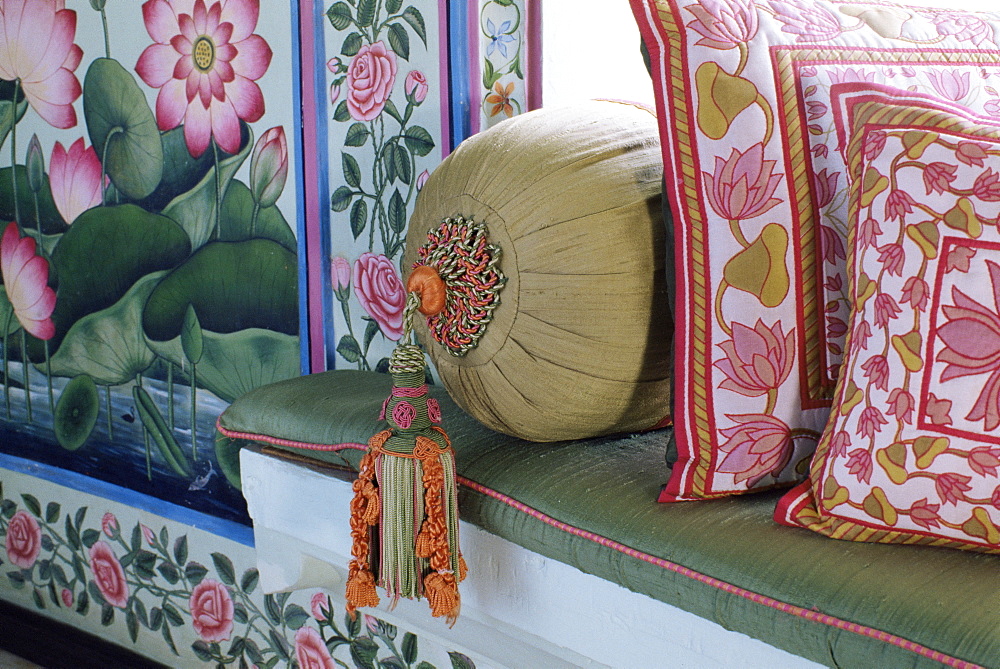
460 70
125 496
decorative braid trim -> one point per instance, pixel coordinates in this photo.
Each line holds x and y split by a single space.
757 598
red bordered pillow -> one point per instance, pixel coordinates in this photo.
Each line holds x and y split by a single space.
911 453
758 191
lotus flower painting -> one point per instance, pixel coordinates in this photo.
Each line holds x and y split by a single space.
149 248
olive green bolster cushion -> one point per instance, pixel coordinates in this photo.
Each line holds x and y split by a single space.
589 503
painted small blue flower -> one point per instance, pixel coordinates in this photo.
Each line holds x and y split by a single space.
499 37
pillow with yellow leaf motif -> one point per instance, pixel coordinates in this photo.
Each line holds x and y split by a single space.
757 185
911 453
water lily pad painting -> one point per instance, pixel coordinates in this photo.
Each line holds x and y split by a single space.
149 216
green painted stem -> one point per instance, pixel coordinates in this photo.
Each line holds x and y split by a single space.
6 369
253 218
194 412
107 42
107 406
48 378
170 395
27 373
145 438
218 191
13 156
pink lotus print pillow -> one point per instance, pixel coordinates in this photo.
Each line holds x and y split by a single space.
759 197
911 453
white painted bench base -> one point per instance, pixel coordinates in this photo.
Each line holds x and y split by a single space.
519 609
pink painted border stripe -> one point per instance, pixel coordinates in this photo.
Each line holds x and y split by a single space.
757 598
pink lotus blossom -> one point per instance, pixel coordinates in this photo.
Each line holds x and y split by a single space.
892 258
370 77
75 179
820 150
26 276
971 336
873 144
951 487
380 291
269 167
871 422
971 153
938 177
205 59
757 360
109 575
859 463
916 292
958 259
868 231
925 514
724 25
808 21
743 185
984 460
825 183
937 410
835 327
816 110
415 86
109 524
877 370
886 310
949 83
23 541
852 75
901 405
212 610
898 204
834 283
839 443
962 26
311 651
987 186
757 446
862 332
37 49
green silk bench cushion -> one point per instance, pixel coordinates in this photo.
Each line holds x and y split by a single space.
591 504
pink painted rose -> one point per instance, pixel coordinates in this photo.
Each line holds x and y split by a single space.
334 92
26 278
211 610
24 540
320 605
743 184
108 575
724 25
416 86
109 524
44 66
311 651
757 446
75 179
206 60
340 273
380 291
148 535
67 597
757 360
370 77
269 166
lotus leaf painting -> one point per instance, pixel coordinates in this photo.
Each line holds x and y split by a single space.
149 269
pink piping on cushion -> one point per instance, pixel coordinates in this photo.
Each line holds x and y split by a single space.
808 614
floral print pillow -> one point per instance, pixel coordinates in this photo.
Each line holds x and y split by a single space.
758 190
912 450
